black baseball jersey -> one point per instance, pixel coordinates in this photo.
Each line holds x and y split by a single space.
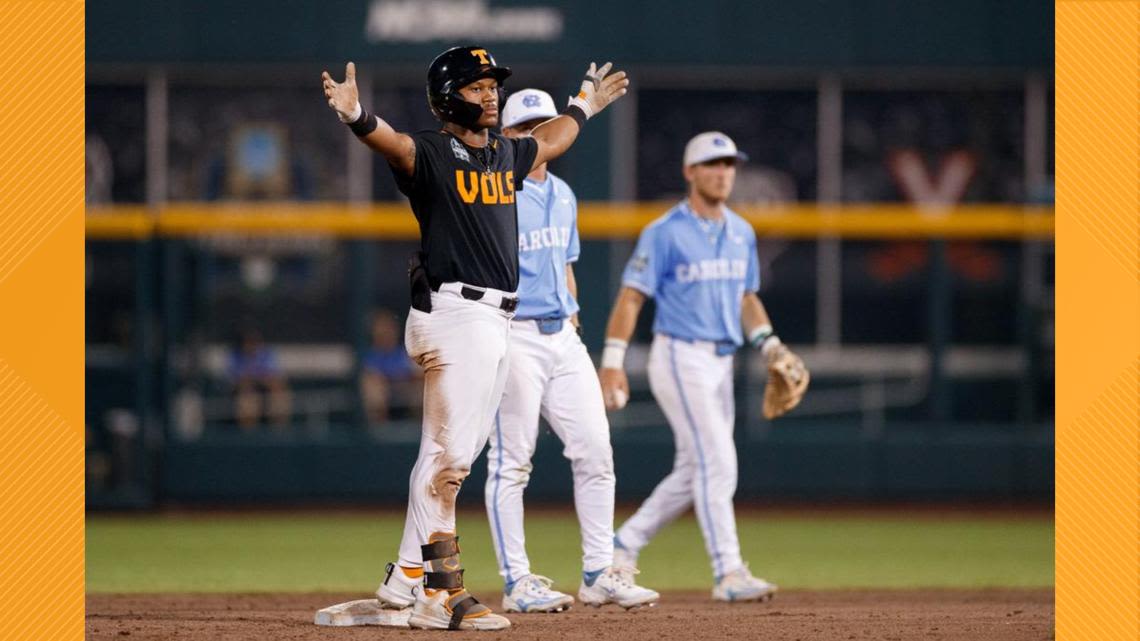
464 200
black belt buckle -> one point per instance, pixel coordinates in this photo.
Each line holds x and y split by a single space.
549 325
509 305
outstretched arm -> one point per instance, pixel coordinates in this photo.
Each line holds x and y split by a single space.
598 90
344 98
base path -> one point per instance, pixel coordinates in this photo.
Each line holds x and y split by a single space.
880 615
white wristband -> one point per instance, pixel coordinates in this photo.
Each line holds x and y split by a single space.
771 343
353 116
613 356
759 334
583 105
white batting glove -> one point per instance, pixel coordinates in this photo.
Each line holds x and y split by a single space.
343 97
599 90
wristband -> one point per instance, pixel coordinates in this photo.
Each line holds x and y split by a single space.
770 344
364 124
759 334
613 356
577 113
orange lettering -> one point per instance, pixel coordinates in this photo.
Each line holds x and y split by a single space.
468 195
507 191
490 188
482 55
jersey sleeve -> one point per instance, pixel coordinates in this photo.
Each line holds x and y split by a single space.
574 249
526 150
752 277
409 185
645 267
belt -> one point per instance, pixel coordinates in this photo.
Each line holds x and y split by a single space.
720 348
495 298
545 325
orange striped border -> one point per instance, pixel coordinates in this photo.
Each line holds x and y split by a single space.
1098 320
41 320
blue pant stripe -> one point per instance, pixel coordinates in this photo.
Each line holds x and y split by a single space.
700 459
495 500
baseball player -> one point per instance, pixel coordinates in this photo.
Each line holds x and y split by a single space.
461 181
699 262
551 374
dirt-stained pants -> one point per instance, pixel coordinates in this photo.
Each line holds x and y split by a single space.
462 347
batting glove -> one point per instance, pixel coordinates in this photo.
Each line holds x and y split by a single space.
599 89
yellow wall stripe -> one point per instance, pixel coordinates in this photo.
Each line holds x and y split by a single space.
596 220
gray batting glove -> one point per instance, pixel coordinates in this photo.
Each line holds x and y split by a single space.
599 89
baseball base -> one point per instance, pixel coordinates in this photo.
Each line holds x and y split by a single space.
362 612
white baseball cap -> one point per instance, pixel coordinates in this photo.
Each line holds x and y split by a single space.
528 104
710 146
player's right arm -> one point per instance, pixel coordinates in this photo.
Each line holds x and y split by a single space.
623 319
639 282
399 149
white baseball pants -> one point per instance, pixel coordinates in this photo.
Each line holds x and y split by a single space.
462 347
551 375
693 386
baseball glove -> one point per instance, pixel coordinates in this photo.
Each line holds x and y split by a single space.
787 381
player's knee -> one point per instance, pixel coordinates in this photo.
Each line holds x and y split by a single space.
595 468
509 475
445 484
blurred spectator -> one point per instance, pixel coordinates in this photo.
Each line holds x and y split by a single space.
389 380
260 388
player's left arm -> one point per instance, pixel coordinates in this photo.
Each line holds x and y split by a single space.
753 313
788 377
572 287
599 89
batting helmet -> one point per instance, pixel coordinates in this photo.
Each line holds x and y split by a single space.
451 71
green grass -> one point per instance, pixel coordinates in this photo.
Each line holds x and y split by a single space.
337 552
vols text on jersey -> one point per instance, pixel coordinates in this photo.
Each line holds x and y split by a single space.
493 188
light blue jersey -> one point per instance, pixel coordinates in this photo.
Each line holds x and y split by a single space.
698 271
548 239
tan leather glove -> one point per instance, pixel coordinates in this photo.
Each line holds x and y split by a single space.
787 381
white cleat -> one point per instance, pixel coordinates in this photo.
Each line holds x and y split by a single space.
616 585
532 593
740 585
442 610
395 596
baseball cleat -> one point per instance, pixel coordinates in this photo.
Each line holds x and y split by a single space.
532 593
615 585
398 591
740 585
443 610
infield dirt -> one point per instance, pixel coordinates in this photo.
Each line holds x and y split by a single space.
881 615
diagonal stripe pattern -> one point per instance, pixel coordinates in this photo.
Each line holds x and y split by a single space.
1098 320
41 319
